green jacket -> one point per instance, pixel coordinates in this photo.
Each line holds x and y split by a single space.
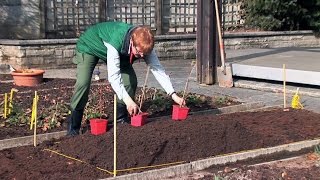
91 41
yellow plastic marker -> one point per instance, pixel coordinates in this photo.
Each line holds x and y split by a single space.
34 110
32 114
11 99
295 103
5 105
115 136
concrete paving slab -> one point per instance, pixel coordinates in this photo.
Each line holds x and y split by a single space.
302 65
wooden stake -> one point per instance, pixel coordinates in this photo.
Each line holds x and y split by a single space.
115 137
5 105
186 86
284 88
35 119
144 87
10 102
32 114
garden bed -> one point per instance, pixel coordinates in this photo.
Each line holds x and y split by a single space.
54 98
301 167
304 164
159 142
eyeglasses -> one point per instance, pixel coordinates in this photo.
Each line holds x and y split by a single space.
138 53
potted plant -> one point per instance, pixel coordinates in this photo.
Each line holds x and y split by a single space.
98 121
180 112
27 77
140 118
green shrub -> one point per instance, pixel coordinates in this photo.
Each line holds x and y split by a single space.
282 15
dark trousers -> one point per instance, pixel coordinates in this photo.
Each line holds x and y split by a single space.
85 66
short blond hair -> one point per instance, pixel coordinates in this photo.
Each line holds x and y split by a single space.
143 38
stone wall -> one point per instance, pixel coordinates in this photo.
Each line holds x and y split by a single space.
271 39
58 53
20 19
37 53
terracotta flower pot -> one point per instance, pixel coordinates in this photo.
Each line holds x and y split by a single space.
139 119
29 77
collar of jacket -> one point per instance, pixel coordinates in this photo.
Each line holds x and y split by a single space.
126 42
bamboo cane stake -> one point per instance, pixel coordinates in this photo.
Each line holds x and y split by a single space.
284 88
186 86
5 105
32 114
144 87
115 137
35 119
10 101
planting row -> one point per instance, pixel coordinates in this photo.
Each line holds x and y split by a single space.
54 98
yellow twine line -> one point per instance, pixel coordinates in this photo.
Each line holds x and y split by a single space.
154 166
122 170
69 157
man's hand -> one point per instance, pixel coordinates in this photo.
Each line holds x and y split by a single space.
178 99
132 107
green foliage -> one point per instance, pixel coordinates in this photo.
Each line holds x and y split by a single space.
195 100
17 117
217 177
161 101
222 100
53 116
317 149
96 104
282 15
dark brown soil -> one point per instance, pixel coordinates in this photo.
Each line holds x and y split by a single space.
54 91
305 166
159 142
5 77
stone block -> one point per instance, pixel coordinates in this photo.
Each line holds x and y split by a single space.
58 52
13 51
30 61
68 53
42 52
50 60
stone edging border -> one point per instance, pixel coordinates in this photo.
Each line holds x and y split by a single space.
28 140
218 160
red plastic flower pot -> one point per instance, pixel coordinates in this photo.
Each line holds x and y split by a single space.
98 126
139 119
179 113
